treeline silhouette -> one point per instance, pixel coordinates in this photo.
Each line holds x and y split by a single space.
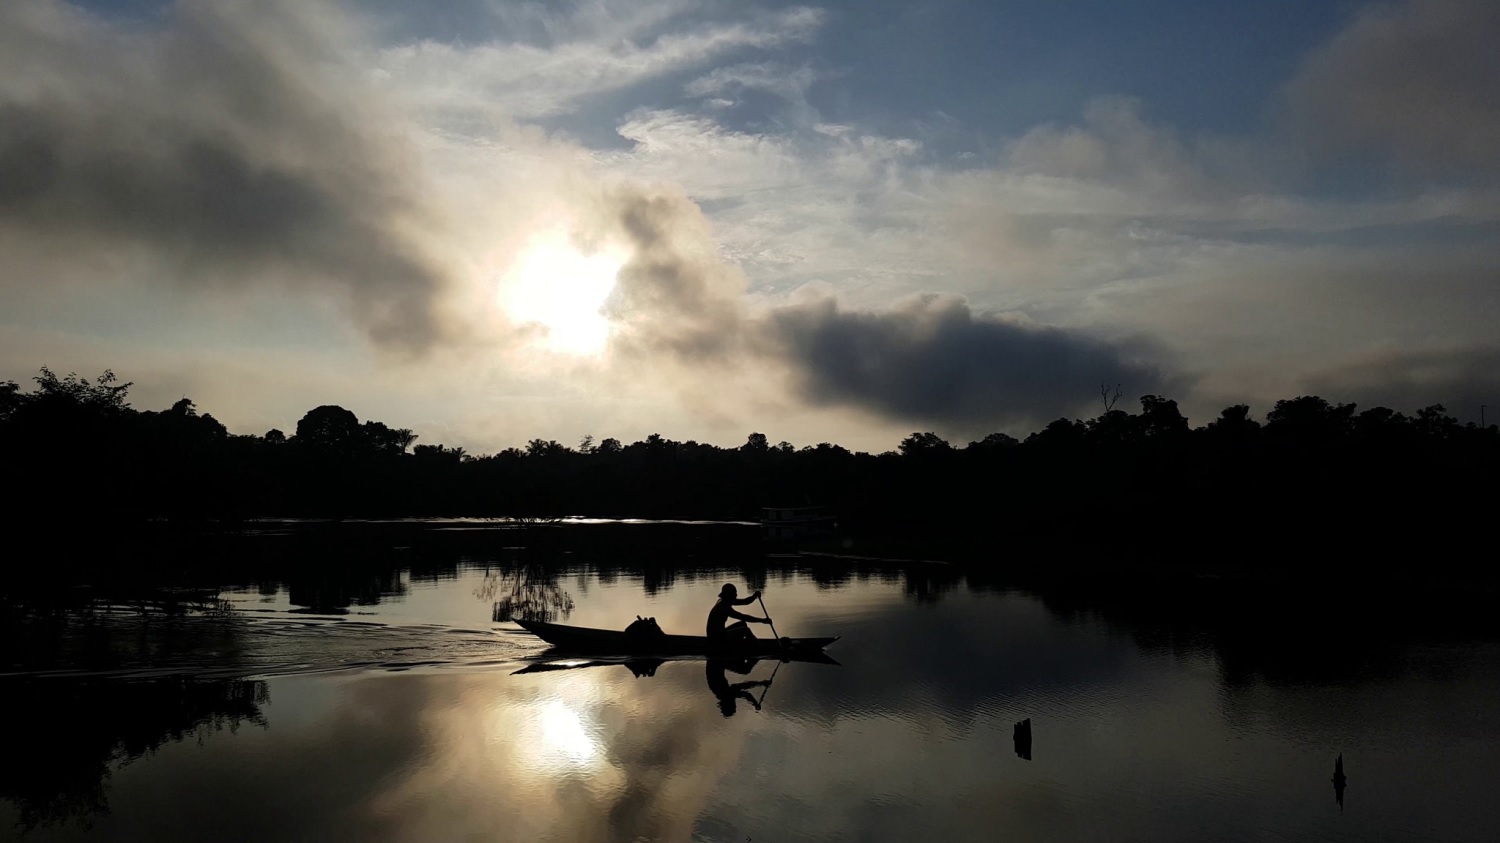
1315 478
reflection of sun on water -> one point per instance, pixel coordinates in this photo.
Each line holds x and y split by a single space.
556 286
563 732
558 739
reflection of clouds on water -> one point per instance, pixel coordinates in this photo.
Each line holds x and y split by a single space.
910 739
974 653
590 755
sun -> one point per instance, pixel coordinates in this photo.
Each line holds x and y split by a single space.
555 285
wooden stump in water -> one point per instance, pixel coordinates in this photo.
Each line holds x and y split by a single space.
1022 736
1340 781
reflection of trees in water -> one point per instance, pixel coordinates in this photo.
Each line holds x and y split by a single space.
83 729
526 591
1279 633
107 635
338 588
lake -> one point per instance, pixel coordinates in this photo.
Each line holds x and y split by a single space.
380 700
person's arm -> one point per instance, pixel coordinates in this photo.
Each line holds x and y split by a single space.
746 601
747 618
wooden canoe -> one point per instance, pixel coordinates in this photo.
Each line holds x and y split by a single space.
583 640
648 665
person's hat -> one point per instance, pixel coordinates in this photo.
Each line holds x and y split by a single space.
728 590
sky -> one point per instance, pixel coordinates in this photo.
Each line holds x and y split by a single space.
497 221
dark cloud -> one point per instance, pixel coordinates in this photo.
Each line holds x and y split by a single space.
1414 80
674 295
1460 378
929 359
933 359
227 141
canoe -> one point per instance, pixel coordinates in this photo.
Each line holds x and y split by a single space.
579 639
647 665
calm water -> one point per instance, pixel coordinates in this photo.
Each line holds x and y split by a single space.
388 706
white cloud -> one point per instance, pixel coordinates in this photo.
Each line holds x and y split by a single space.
528 80
788 83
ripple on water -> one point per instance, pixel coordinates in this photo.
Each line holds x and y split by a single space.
276 644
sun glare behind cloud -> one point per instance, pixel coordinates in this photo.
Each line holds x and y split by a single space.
555 285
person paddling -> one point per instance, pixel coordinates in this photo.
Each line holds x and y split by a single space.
724 610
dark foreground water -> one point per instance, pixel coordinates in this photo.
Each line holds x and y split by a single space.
379 705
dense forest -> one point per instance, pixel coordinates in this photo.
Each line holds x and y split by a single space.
1314 477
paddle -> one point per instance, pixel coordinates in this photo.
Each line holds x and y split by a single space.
767 689
768 618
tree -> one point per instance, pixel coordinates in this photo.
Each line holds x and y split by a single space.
1061 432
756 443
331 428
1112 426
920 444
1234 423
1382 422
104 395
1308 418
212 428
275 437
10 398
994 442
404 437
384 440
438 454
1433 421
1107 398
1160 418
545 448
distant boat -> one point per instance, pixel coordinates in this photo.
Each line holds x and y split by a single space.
798 523
583 640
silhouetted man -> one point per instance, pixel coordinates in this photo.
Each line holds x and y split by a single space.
728 694
724 610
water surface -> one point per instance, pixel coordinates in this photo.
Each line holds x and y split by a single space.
373 703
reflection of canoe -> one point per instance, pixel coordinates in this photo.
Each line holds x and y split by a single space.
578 639
646 666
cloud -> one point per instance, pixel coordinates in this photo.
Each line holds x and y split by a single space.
788 83
589 54
1415 81
674 295
929 359
932 359
230 146
1461 377
1115 146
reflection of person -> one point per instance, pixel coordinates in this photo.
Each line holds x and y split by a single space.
724 610
728 694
